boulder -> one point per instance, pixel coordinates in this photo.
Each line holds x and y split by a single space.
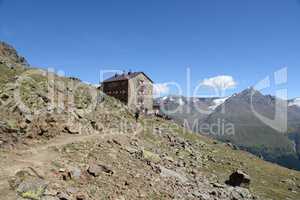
28 184
63 196
96 169
75 172
33 188
240 179
164 172
73 128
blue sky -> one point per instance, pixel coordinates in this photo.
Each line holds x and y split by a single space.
245 39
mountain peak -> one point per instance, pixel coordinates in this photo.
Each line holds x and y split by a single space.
10 56
249 90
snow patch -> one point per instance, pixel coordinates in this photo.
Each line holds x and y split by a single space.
180 102
295 102
217 102
165 98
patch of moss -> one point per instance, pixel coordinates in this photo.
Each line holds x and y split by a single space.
33 194
149 156
6 74
12 123
82 98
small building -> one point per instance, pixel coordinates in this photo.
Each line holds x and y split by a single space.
134 89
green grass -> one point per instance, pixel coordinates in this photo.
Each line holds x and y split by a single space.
6 74
82 97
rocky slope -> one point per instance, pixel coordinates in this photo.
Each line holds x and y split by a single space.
62 139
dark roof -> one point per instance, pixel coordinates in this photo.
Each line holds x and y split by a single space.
125 76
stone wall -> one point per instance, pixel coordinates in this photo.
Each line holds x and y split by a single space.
140 94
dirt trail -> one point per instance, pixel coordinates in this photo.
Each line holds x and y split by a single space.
41 155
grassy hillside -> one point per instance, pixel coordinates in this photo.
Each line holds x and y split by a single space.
217 158
152 159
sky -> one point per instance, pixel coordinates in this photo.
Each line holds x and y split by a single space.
194 43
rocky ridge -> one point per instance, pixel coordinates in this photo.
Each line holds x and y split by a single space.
10 57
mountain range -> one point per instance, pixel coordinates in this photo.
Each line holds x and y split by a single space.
242 115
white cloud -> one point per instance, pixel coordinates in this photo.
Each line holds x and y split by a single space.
220 83
160 89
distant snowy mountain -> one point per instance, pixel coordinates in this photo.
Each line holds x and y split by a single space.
202 103
250 133
295 102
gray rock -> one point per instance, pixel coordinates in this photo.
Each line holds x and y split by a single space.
96 169
71 190
32 188
75 173
240 193
49 198
164 172
73 128
130 150
63 196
